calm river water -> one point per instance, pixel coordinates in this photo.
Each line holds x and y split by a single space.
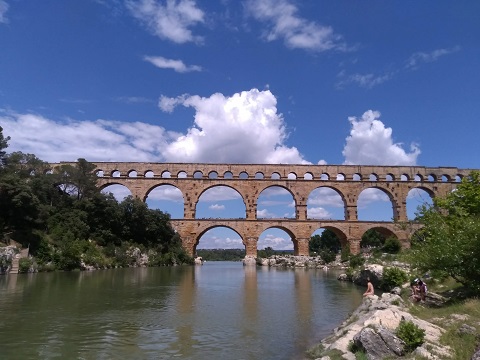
221 310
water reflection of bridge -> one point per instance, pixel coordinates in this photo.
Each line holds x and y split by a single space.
249 180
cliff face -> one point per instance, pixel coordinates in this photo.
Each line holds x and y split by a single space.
372 326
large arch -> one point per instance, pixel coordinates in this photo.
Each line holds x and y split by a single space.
275 191
376 195
326 197
219 227
220 195
167 198
417 197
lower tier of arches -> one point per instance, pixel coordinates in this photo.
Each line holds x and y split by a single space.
348 232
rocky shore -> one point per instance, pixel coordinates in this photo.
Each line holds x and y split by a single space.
372 328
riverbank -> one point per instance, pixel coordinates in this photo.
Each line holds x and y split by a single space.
450 331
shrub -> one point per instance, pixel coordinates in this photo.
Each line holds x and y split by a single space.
328 256
24 265
393 277
345 254
392 245
356 260
411 334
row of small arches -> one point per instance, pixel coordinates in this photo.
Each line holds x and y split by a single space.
291 176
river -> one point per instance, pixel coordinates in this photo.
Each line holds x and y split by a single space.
221 310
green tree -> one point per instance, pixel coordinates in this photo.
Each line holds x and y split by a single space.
3 146
451 235
328 241
372 238
77 180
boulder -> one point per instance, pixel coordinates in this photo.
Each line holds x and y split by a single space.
374 344
434 300
476 356
466 329
373 271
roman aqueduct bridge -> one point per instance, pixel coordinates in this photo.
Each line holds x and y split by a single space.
249 180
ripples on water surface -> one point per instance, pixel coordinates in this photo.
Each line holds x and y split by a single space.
221 310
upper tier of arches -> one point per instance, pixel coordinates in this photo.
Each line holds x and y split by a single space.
281 172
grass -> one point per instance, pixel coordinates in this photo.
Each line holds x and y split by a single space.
463 345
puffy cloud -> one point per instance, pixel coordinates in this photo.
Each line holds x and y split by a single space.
100 140
371 143
220 193
170 19
318 213
3 10
243 128
415 60
217 207
275 242
177 65
287 24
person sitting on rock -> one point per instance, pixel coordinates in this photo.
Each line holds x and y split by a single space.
414 287
422 290
369 288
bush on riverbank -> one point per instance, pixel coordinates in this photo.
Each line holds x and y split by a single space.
67 223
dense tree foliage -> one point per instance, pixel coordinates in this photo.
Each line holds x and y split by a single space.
326 245
65 220
372 238
449 244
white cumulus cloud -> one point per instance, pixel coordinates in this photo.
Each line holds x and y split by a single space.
371 143
170 19
297 32
177 65
243 128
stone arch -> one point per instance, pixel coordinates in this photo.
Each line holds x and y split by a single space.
384 231
132 173
285 229
213 227
119 190
149 174
262 190
217 186
243 175
259 175
370 194
336 191
342 237
167 199
415 199
308 176
166 174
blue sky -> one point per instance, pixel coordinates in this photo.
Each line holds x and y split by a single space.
337 82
